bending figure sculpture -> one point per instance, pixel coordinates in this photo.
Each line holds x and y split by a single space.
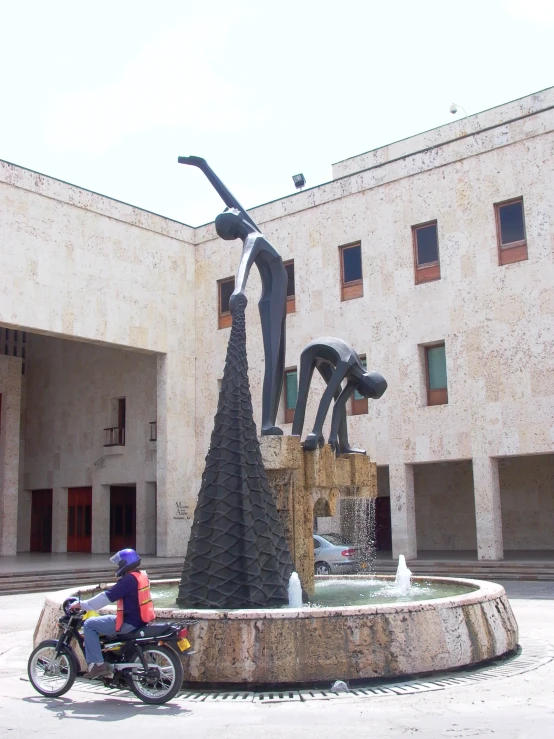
336 361
235 223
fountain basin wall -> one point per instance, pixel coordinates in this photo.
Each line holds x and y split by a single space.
309 645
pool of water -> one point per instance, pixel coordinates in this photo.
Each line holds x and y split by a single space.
336 591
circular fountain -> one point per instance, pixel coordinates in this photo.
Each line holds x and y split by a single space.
455 623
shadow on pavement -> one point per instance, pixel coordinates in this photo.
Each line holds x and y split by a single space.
528 590
108 709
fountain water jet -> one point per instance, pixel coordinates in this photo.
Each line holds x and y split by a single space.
295 591
403 581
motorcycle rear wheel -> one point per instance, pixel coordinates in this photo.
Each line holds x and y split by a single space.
166 676
49 674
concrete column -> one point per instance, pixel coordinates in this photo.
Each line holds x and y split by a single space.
488 508
146 517
100 518
402 504
10 388
176 491
59 519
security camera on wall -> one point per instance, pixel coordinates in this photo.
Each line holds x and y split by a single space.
453 108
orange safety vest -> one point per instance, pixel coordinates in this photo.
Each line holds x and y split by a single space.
147 612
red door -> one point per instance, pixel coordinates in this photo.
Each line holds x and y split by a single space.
41 521
123 514
79 520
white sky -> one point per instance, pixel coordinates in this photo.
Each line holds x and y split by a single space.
107 94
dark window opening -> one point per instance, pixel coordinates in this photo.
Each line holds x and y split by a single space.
437 385
121 412
225 290
291 294
351 272
352 262
510 232
115 435
291 394
426 252
359 403
511 223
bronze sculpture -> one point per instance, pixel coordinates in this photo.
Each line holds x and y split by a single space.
235 223
336 361
237 555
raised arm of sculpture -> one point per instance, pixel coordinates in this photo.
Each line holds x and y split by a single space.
224 193
235 223
336 361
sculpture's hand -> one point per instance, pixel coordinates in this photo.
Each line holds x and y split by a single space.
237 301
334 444
312 441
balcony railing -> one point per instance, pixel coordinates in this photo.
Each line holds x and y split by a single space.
153 430
114 436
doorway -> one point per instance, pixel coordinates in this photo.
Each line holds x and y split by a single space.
383 533
41 521
123 515
79 519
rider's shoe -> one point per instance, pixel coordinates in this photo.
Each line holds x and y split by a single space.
98 671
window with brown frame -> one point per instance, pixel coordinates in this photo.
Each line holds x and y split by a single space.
426 252
291 393
359 403
291 294
351 271
225 289
435 370
510 231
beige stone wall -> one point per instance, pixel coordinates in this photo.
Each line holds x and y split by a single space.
496 321
10 414
527 494
446 135
445 508
79 265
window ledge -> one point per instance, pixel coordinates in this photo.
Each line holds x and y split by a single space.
516 252
225 320
352 290
114 451
427 274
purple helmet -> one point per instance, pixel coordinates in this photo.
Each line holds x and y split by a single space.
126 560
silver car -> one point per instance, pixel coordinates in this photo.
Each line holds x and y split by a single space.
334 554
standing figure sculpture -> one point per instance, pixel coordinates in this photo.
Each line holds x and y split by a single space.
235 223
336 361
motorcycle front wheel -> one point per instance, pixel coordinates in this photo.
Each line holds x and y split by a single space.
50 674
163 679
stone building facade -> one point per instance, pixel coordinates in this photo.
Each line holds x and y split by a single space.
433 257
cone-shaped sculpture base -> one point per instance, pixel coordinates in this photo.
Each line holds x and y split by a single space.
237 554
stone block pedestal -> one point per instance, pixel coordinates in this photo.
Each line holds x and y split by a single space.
305 484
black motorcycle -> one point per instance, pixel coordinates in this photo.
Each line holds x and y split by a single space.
146 660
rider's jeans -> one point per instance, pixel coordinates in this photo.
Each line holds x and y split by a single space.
92 628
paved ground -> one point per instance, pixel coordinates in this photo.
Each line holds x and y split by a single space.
521 706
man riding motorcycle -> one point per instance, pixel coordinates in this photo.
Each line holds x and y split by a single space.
134 609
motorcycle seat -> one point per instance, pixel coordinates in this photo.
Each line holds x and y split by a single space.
142 632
